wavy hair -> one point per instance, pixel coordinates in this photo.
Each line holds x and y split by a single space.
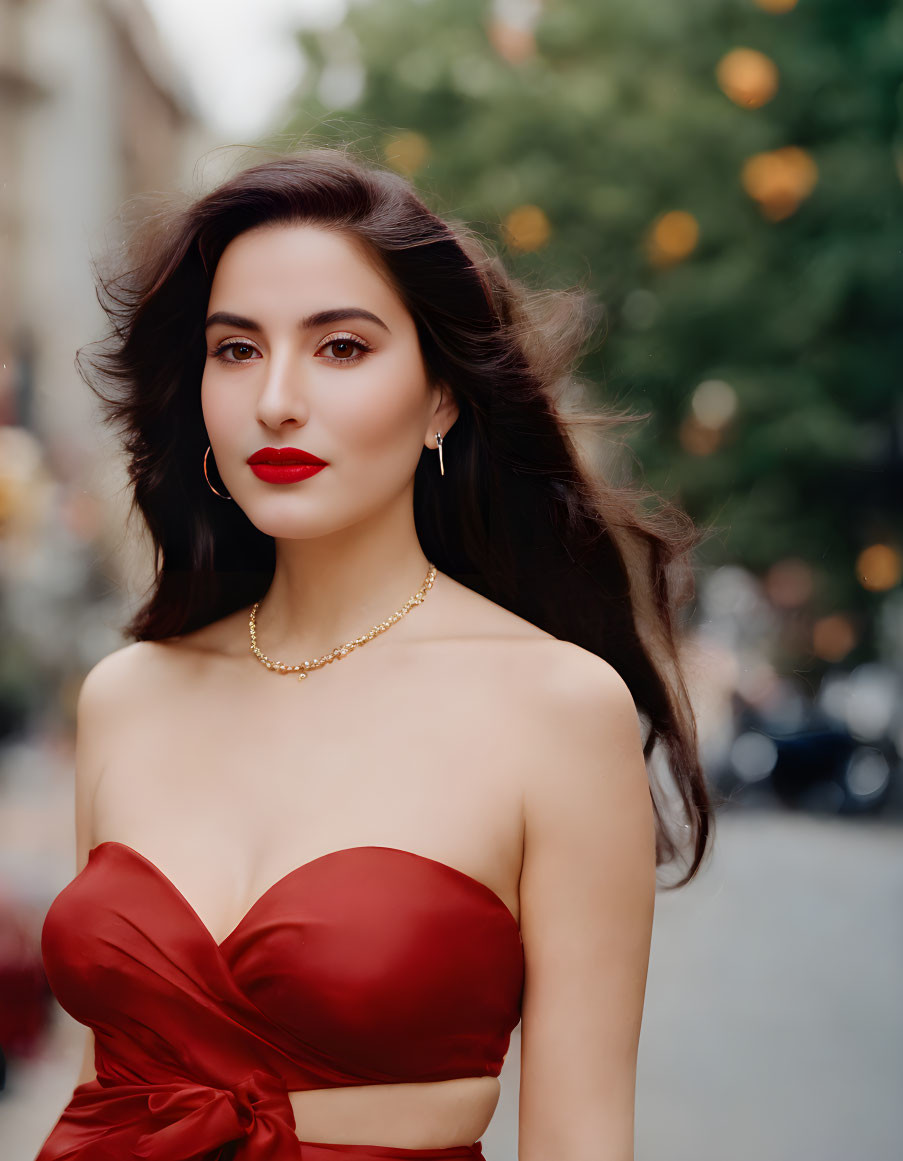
526 516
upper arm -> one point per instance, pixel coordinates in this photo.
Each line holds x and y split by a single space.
95 707
587 898
93 713
108 691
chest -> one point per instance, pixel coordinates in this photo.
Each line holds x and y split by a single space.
230 784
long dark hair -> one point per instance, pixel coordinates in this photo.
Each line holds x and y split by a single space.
526 516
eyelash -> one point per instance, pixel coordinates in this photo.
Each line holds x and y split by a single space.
363 349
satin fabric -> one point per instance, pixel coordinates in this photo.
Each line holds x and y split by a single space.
367 965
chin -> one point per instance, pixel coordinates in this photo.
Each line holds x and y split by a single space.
300 526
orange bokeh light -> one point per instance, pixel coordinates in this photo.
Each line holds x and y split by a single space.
407 153
748 77
673 236
527 228
879 567
779 180
833 637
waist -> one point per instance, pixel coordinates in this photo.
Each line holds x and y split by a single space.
438 1114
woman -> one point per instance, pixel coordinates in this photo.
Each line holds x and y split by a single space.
368 786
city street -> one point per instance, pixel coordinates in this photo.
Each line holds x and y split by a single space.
649 253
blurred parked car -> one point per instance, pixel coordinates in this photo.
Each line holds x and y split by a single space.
837 753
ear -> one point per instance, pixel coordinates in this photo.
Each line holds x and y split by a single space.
444 414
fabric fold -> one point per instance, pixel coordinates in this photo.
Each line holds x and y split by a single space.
368 965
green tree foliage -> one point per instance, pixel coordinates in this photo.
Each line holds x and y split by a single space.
614 115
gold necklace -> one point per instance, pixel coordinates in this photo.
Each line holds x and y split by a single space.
341 650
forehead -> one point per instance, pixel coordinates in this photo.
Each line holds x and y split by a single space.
306 262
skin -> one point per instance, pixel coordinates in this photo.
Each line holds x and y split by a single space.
346 546
463 733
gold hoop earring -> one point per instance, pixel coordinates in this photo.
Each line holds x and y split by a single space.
439 446
207 478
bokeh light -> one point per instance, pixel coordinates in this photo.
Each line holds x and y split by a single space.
833 637
407 153
789 583
672 238
775 5
753 756
25 484
779 180
527 228
714 403
748 77
878 567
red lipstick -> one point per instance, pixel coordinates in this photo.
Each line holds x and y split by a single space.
284 465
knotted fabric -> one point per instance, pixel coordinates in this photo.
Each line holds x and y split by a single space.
195 1119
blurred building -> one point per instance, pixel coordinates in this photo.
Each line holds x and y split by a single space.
92 116
93 122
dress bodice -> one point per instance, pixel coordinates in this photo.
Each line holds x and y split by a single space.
366 965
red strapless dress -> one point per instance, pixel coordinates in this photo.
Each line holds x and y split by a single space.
369 965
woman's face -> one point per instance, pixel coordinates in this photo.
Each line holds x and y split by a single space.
351 390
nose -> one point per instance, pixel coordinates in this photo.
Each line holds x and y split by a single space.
283 390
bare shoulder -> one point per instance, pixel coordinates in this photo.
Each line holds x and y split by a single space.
584 726
558 683
110 687
115 674
121 681
574 688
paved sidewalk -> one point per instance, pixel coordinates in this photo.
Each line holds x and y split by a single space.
773 1025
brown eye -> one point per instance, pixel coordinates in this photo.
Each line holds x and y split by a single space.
221 352
346 349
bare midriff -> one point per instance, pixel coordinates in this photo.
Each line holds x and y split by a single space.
424 1115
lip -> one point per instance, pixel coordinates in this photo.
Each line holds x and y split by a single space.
285 455
285 473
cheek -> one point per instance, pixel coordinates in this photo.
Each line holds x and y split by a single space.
220 410
383 417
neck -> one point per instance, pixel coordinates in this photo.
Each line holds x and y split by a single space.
329 590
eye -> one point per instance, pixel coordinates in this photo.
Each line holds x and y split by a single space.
220 352
343 347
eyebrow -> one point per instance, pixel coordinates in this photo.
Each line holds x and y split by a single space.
321 318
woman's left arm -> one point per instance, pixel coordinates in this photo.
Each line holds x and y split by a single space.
587 897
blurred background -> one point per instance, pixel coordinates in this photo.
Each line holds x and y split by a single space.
726 176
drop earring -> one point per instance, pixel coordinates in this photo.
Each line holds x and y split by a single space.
439 446
207 478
